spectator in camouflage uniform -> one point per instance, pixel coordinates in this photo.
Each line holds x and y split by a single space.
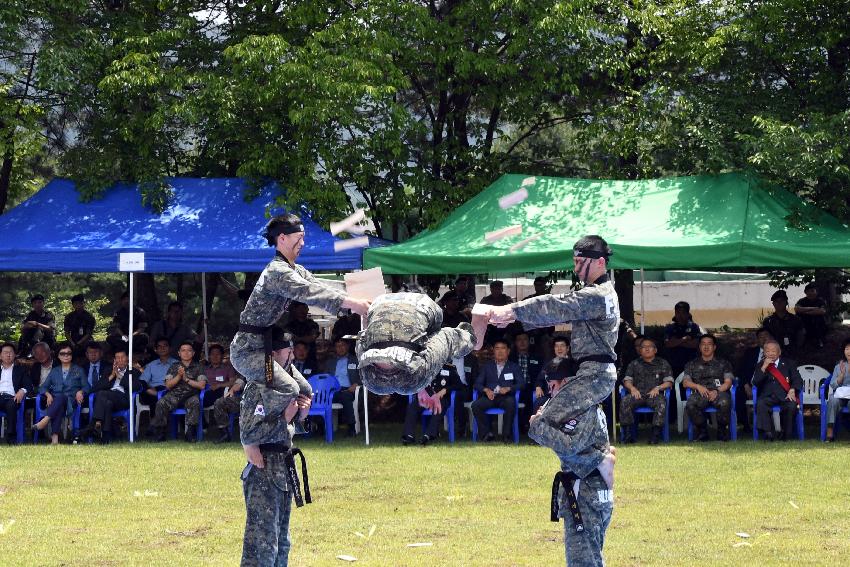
403 347
645 380
710 378
184 382
226 405
571 423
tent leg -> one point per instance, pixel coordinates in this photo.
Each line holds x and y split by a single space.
204 310
642 312
131 425
365 398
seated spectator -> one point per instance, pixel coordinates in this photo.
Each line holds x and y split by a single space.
452 316
496 384
645 381
184 382
44 363
344 366
78 325
303 361
111 394
220 375
554 374
301 326
710 379
94 369
38 326
174 329
529 366
561 347
119 330
438 392
499 298
226 405
681 338
464 291
62 390
785 327
778 383
14 385
153 376
839 379
751 359
322 354
467 372
811 309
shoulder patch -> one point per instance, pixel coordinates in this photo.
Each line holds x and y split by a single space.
260 410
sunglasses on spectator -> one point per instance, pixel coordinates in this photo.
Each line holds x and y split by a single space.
65 353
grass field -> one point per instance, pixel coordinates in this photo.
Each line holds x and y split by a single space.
179 504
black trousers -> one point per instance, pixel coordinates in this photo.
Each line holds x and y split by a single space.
106 402
500 401
10 407
150 399
211 396
413 411
346 414
787 411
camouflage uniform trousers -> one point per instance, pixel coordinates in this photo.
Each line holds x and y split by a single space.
223 407
596 504
268 503
629 404
696 405
185 395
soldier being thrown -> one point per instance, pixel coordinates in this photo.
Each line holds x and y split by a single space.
571 424
403 347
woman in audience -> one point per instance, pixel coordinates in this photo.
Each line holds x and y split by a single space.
839 379
62 388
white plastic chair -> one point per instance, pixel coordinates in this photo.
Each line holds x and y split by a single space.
140 407
680 403
812 376
337 406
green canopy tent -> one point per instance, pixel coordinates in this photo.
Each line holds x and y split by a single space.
728 220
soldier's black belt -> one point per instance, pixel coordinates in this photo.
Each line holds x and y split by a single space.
603 358
292 474
403 344
567 480
266 332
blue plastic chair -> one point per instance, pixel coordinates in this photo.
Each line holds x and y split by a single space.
324 387
450 415
733 423
19 427
199 434
798 425
496 411
665 430
122 413
824 389
75 419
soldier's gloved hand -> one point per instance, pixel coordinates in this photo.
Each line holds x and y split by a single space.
254 456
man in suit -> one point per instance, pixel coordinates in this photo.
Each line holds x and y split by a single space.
751 359
344 366
111 394
779 383
496 385
529 365
14 385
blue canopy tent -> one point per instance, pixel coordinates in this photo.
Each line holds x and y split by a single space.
209 226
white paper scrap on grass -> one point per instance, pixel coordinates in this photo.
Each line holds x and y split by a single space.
4 526
349 223
742 544
346 557
495 235
514 198
742 534
372 530
365 284
131 261
423 544
522 243
793 505
349 243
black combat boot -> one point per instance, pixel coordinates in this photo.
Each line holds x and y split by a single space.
656 435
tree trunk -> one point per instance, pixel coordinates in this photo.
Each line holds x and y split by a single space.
146 296
6 177
624 283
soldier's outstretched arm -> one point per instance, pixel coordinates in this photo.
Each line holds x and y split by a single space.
445 344
546 310
301 285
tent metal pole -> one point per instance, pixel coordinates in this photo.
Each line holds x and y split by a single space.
365 399
642 312
130 356
204 310
613 393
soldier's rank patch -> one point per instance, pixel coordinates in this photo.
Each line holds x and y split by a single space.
570 425
260 410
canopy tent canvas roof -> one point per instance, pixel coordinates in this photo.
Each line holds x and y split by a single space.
728 220
207 227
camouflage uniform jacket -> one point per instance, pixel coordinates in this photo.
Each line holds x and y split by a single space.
261 412
193 372
647 375
409 317
710 374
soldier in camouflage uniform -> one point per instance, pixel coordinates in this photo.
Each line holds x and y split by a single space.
403 347
226 405
571 423
645 379
268 483
710 379
184 381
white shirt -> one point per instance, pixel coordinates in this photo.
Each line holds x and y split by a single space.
117 385
6 384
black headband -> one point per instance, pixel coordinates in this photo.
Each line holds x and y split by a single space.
589 254
292 229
